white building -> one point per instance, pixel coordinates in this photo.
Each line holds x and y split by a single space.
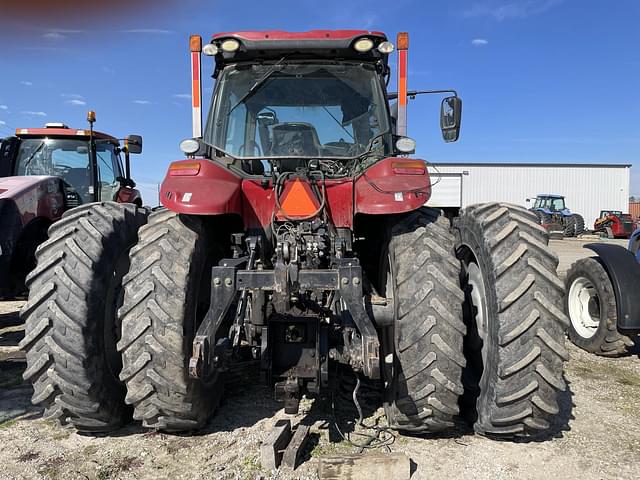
587 188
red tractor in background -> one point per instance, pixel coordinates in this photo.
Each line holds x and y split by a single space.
45 172
295 236
614 224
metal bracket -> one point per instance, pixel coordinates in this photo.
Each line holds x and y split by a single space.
223 292
350 288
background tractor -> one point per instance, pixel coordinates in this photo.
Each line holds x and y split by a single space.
295 236
602 299
614 224
556 217
45 172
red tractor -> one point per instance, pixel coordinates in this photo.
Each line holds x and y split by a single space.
295 235
45 172
614 224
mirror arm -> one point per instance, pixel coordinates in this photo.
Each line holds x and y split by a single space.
412 93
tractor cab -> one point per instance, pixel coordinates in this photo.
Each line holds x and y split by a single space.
88 163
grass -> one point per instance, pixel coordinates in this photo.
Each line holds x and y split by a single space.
7 424
250 466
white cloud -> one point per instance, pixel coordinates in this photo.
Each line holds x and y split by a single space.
185 96
71 95
34 114
25 82
77 102
3 122
153 31
107 69
501 10
479 42
142 102
53 36
4 107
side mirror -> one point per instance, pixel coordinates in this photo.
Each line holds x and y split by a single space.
267 118
450 118
134 144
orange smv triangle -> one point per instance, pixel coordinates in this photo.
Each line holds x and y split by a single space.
298 200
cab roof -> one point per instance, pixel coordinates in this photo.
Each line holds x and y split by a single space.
61 132
313 44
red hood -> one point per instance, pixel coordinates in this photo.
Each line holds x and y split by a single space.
12 186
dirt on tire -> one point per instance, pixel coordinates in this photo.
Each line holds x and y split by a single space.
163 301
429 330
522 352
70 316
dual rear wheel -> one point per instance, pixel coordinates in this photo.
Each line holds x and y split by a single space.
478 330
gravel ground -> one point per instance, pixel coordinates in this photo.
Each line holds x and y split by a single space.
597 435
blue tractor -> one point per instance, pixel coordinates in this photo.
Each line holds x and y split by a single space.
602 299
553 214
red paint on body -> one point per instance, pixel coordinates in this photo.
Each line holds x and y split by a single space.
380 191
215 190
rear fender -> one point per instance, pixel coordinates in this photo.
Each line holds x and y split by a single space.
624 273
393 185
212 190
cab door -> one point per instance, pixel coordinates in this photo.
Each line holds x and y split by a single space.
109 170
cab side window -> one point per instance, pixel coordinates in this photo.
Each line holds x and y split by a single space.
108 171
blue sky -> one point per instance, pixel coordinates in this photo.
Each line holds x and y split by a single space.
541 80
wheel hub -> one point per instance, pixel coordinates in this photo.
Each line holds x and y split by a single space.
478 301
584 307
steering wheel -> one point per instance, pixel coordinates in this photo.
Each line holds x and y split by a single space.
251 144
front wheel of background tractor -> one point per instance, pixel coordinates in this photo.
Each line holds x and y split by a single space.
591 306
71 327
167 294
579 221
513 312
423 356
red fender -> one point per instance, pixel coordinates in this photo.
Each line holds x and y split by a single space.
201 187
393 185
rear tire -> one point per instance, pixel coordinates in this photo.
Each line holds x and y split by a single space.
424 380
513 312
579 224
71 326
570 227
167 294
591 305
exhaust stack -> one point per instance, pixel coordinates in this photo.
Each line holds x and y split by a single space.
403 52
195 45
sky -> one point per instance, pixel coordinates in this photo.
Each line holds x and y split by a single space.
541 80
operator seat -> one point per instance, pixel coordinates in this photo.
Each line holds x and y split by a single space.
80 180
294 139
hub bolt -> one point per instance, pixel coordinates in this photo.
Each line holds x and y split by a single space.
227 282
217 281
356 281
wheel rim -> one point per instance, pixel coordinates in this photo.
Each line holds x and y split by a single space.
477 296
584 307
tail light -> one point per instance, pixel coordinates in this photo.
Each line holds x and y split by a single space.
409 167
184 169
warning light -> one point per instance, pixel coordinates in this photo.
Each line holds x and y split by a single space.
402 42
195 43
